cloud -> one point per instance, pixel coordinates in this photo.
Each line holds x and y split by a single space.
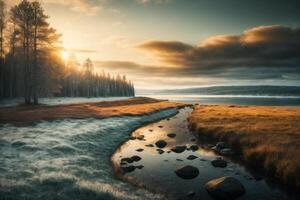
264 46
88 7
241 73
83 6
265 54
132 68
165 77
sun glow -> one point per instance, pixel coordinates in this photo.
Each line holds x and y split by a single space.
64 55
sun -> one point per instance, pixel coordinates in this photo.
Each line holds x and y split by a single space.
64 55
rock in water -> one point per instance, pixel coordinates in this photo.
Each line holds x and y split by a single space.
226 152
221 145
136 158
219 163
140 150
191 157
191 194
179 149
140 137
126 160
161 143
128 169
160 151
187 172
194 147
225 188
139 167
171 135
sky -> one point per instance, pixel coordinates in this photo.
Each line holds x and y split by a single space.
161 44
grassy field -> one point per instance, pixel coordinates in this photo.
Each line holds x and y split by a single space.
23 115
267 137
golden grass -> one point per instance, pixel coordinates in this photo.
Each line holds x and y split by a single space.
23 115
267 137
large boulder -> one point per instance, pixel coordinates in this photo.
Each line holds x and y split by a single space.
225 188
161 143
219 163
187 172
178 149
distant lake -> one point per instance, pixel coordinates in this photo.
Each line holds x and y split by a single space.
231 99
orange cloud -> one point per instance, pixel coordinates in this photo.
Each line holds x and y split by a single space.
264 46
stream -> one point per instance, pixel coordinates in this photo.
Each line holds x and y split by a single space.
154 168
68 159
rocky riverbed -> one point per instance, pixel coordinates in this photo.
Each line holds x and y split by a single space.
165 157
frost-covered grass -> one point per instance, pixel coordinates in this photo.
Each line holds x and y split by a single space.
59 100
67 159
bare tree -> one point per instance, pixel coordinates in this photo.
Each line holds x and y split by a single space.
2 27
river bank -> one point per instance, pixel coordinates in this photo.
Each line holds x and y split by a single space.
267 138
25 115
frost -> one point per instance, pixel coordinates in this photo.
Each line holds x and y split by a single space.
68 159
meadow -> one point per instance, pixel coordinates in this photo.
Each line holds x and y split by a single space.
267 138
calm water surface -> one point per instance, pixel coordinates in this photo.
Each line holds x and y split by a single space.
233 99
158 174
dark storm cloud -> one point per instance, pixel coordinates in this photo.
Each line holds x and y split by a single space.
265 52
264 46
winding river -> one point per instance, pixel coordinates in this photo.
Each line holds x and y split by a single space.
154 168
71 159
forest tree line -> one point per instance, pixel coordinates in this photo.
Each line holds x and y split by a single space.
31 65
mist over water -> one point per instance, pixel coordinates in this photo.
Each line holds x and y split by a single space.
67 159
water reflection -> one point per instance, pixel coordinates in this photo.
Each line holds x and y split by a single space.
159 164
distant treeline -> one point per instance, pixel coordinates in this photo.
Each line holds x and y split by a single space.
31 65
81 81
